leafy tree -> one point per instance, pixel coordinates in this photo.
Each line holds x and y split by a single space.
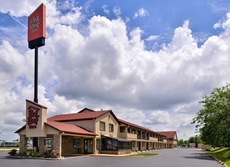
213 120
180 142
186 142
191 139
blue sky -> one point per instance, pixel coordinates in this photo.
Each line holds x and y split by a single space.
149 61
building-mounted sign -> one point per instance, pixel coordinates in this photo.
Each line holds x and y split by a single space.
37 27
36 116
33 117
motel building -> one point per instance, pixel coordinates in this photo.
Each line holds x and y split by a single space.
89 132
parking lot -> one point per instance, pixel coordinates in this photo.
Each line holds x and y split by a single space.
166 158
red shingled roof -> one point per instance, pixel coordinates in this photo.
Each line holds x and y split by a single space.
80 116
69 128
168 134
137 126
64 127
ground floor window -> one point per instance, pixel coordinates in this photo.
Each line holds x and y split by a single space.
76 143
48 142
123 145
109 144
115 144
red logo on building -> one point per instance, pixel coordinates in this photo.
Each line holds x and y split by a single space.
32 118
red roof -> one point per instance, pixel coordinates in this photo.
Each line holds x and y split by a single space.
137 126
80 116
69 128
64 127
168 134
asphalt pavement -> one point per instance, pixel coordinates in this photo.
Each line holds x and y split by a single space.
167 158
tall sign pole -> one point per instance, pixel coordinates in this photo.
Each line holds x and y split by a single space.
36 38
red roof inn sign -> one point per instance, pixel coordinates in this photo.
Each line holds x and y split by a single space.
33 116
37 27
36 116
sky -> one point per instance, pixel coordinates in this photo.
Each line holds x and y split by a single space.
150 62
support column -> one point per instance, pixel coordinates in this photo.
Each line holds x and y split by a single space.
41 145
57 143
94 145
135 144
23 144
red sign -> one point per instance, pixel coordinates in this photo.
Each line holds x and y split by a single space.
32 118
37 23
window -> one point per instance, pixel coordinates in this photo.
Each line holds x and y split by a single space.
111 127
48 142
122 145
76 143
102 126
122 129
109 144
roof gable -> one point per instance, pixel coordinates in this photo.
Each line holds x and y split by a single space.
86 110
82 115
169 134
69 128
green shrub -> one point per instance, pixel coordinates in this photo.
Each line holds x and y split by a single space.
13 152
38 155
51 154
23 154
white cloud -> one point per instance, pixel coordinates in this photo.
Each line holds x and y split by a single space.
141 13
105 9
24 8
117 11
158 117
110 68
152 38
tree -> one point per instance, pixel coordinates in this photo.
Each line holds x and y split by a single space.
180 142
213 120
191 139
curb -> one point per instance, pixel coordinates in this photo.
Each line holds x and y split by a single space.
40 158
222 163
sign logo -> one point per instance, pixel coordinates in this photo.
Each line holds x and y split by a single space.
33 116
34 24
37 23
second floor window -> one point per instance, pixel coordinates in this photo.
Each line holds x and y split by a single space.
102 126
111 127
122 129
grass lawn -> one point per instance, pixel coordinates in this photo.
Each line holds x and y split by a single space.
222 154
143 155
4 150
7 149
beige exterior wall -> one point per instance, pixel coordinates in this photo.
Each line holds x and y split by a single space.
87 124
108 119
50 130
123 134
131 136
22 132
154 139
